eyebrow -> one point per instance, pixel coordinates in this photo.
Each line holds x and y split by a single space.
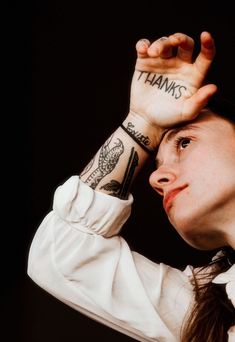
171 133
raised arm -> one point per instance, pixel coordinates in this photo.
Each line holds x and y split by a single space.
166 90
77 254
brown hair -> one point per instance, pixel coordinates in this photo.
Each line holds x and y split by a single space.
213 313
223 105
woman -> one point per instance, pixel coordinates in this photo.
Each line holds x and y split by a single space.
77 253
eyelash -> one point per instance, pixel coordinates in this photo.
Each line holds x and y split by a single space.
179 140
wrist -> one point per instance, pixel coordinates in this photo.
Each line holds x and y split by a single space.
146 133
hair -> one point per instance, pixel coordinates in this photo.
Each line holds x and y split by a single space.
223 105
213 313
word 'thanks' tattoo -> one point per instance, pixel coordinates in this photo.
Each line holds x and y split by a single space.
121 190
107 161
162 83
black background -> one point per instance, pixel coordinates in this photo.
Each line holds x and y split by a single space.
69 78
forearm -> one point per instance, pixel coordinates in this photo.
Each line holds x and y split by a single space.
119 160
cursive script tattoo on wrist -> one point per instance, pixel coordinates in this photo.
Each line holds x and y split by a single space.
145 140
138 137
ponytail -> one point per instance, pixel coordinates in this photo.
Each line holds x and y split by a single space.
213 313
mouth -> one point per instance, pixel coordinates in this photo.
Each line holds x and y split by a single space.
169 197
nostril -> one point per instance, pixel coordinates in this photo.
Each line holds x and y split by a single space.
163 180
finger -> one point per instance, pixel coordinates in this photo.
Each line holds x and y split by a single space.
185 45
207 53
142 47
166 51
160 48
198 101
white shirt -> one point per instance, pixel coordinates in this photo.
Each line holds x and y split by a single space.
78 257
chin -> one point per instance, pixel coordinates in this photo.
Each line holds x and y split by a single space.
198 235
201 243
206 241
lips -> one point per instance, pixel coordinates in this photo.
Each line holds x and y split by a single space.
168 198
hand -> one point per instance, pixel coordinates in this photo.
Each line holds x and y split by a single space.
167 84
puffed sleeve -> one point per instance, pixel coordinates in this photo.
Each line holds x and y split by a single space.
78 256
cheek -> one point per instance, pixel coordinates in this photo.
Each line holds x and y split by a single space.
204 181
211 183
201 166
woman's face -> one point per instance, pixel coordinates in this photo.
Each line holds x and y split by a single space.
196 176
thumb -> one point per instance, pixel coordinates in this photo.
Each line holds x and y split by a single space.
198 101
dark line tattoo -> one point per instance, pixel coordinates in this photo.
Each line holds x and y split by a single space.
121 190
129 173
107 161
141 138
163 83
138 137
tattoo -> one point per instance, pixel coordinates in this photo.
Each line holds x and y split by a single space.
107 161
140 137
113 186
163 83
121 190
88 167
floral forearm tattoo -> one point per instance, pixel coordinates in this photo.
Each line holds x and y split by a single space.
108 159
121 190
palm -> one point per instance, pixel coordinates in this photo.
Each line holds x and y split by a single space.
166 91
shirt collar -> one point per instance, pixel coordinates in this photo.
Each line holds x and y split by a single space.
227 278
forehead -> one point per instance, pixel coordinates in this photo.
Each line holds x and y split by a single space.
170 134
206 122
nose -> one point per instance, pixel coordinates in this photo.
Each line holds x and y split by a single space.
162 178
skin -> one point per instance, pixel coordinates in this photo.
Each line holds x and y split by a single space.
154 104
168 91
204 162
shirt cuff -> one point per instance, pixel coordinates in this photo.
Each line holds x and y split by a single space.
85 208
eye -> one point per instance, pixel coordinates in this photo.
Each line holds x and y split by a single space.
182 142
